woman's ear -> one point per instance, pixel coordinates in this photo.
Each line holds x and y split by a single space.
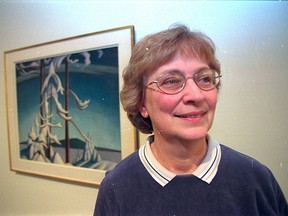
143 111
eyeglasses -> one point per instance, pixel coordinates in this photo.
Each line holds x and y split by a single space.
174 82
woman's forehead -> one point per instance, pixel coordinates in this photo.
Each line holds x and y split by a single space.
182 64
181 59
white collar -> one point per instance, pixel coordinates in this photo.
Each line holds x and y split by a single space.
206 171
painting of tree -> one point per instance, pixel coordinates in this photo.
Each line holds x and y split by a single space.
64 118
68 108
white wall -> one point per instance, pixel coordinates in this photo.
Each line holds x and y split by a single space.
252 42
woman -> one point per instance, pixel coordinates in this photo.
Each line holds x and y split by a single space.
170 89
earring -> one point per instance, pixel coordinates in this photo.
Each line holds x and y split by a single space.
146 115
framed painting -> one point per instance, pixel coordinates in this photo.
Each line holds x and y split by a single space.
64 116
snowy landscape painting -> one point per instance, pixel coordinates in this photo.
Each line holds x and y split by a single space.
65 120
68 109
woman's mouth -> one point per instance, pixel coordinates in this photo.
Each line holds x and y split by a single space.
191 115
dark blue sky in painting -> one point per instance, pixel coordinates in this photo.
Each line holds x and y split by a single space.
97 81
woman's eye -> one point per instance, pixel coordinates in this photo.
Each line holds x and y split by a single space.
170 81
205 80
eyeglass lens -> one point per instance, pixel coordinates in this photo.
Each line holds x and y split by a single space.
174 81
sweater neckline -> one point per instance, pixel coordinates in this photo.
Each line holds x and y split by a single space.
206 171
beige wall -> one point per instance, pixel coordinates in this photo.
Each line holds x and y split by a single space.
252 43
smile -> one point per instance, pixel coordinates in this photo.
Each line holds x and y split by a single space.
198 115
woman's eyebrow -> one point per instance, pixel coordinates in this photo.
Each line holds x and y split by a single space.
172 71
202 68
169 71
176 70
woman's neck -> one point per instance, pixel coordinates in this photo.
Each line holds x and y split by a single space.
179 157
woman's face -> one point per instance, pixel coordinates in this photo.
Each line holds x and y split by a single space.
187 115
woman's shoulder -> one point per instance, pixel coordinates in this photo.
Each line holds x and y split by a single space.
123 169
243 164
233 156
254 175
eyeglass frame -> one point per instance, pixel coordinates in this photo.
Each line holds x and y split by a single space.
186 79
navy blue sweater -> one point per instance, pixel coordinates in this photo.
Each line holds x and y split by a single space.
242 186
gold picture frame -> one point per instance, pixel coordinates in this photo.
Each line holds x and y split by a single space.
64 116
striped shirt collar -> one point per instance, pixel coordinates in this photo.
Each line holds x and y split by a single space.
206 171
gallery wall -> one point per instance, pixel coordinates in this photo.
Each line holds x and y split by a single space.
252 46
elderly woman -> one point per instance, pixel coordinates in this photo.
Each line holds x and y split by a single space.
170 89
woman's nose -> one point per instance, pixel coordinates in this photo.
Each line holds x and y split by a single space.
191 92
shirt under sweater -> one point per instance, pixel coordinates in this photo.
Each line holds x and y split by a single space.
206 171
241 186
